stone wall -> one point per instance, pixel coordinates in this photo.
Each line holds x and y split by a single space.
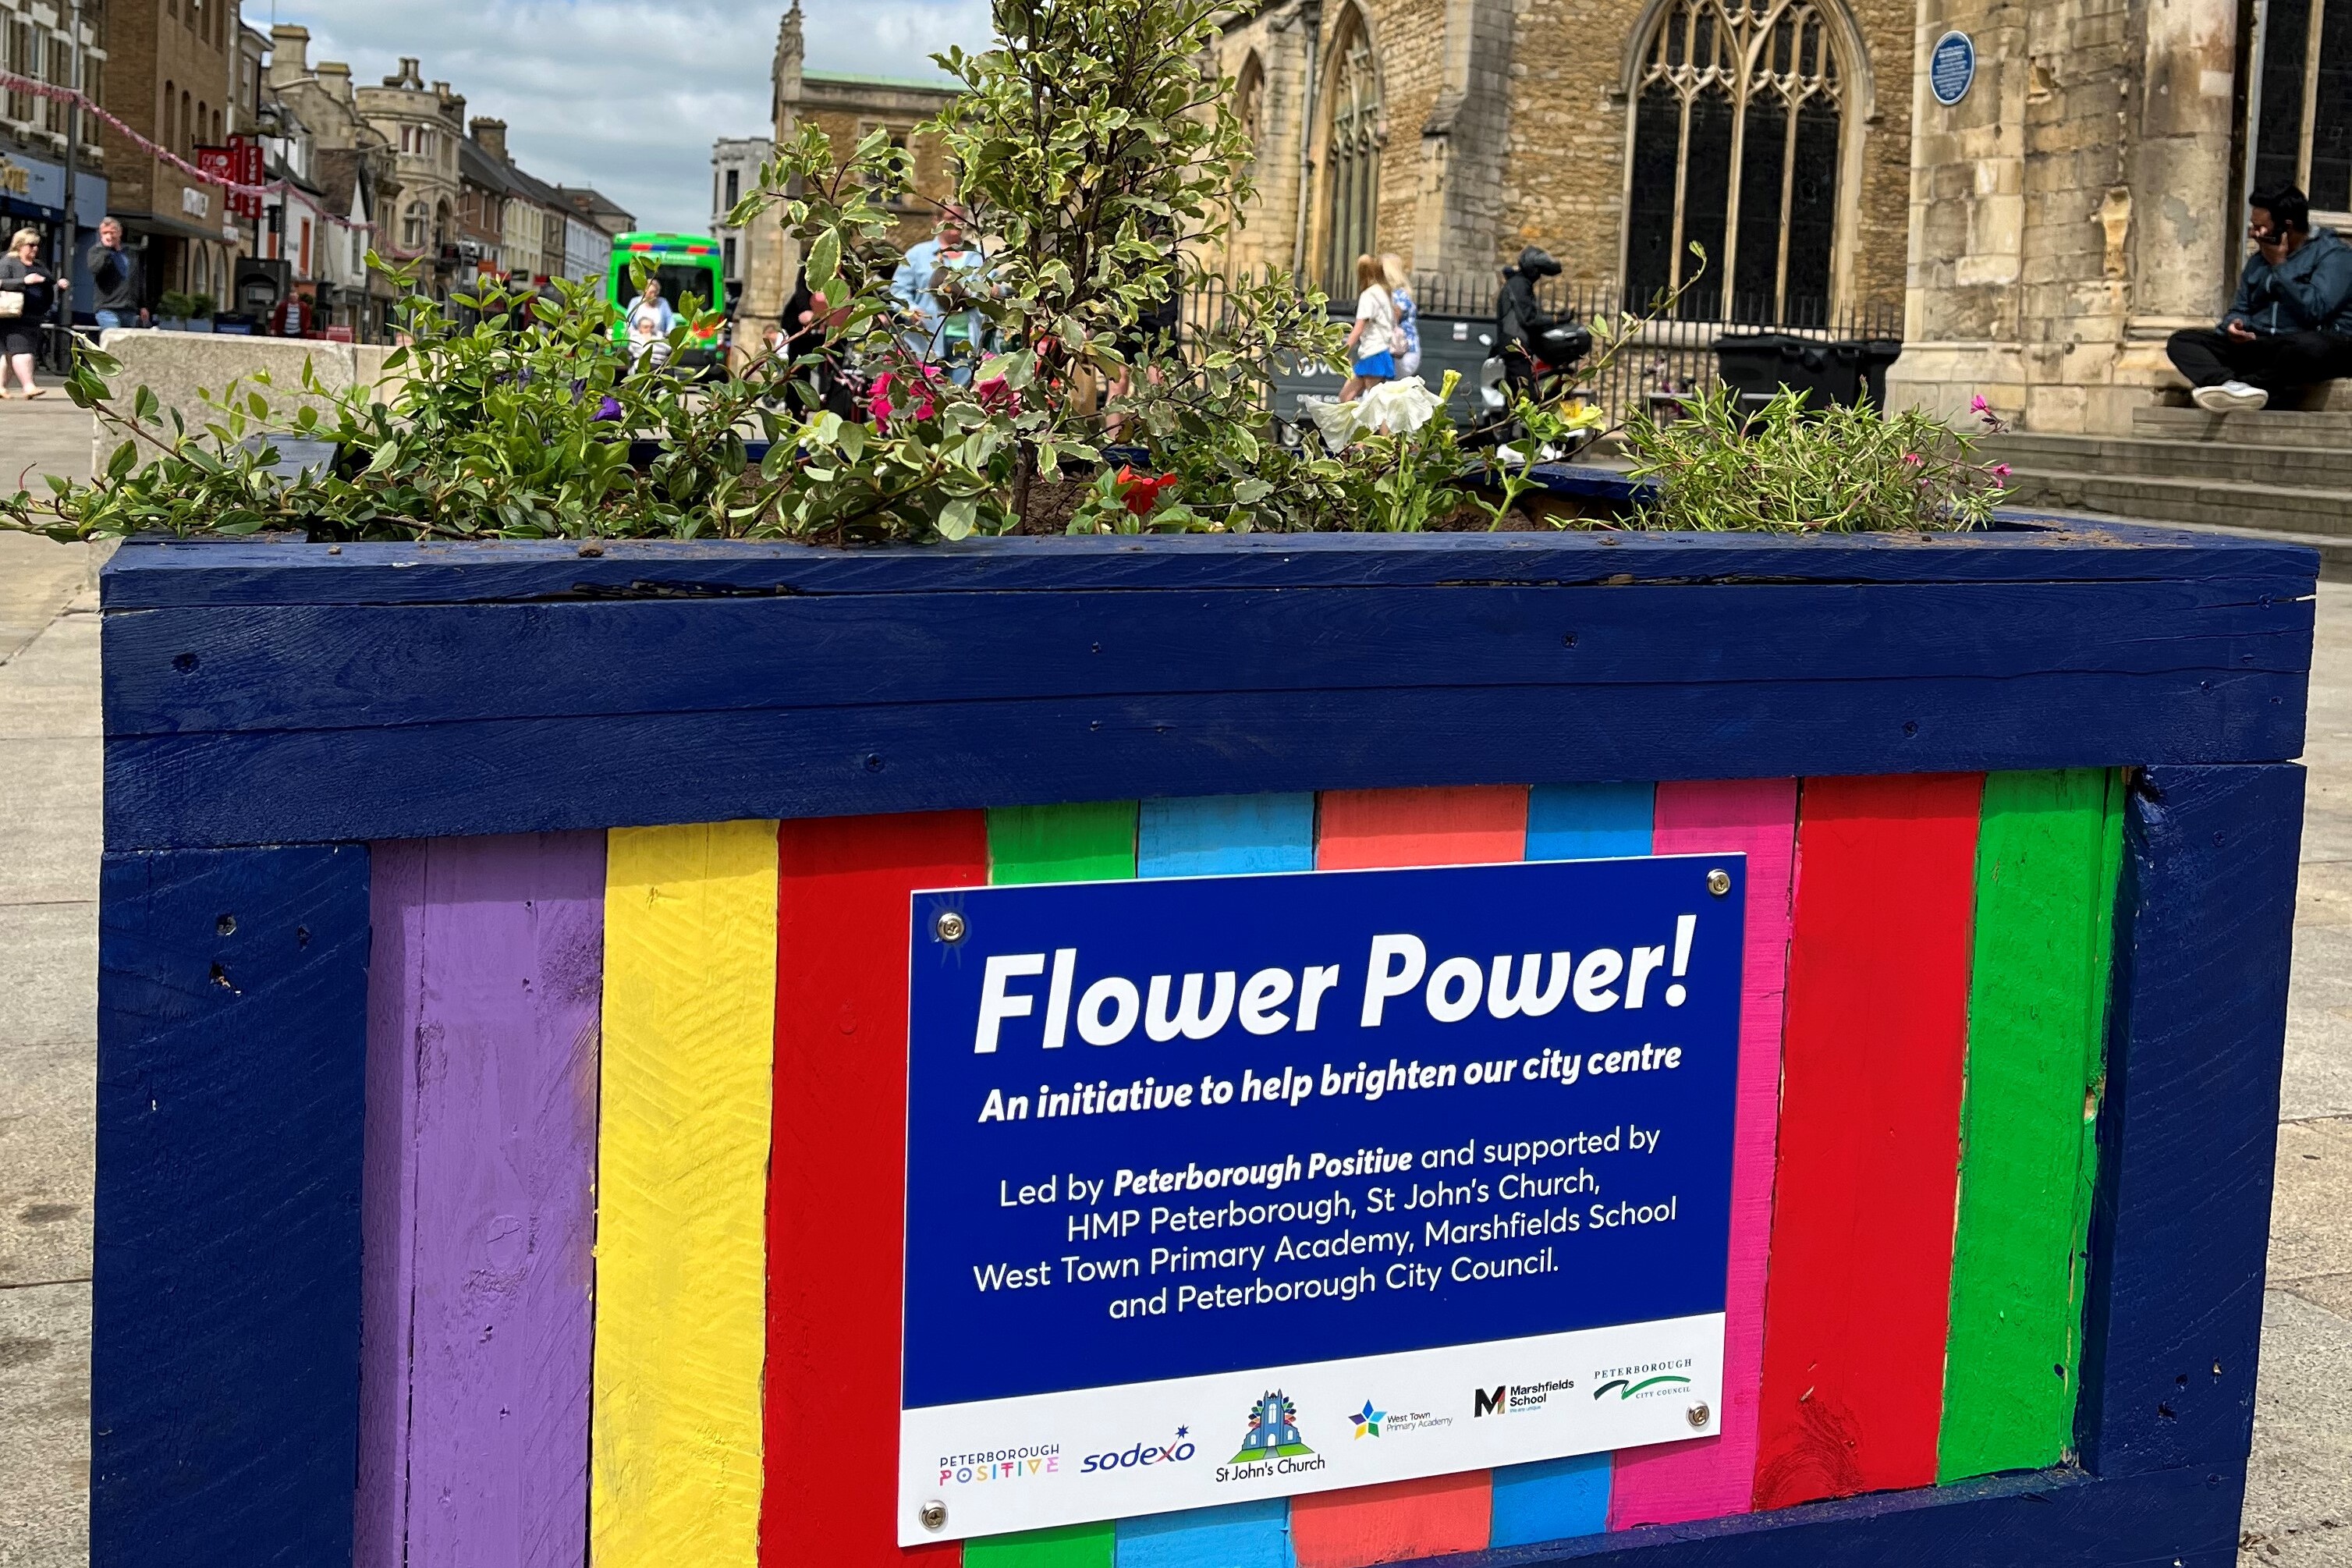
180 367
2071 211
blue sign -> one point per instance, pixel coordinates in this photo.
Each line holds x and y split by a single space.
1437 1146
1952 68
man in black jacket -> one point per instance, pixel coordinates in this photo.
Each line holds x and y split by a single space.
2291 325
119 279
1519 320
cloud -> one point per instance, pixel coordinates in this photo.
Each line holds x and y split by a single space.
626 95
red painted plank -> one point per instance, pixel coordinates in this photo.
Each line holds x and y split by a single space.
835 1204
1392 1523
1708 1476
1363 830
1475 825
1870 1106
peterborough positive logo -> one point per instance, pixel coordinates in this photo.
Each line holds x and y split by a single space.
1272 1431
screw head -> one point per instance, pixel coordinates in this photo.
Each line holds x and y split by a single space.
934 1514
1718 881
950 927
1700 1414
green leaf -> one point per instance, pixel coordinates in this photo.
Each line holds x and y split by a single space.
121 461
957 517
825 262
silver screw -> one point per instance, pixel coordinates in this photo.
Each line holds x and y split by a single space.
1699 1413
1719 882
934 1515
951 926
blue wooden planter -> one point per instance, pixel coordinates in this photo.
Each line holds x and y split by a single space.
280 720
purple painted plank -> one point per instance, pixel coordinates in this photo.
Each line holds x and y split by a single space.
387 1206
496 1018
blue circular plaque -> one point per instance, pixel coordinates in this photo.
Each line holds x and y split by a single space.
1952 68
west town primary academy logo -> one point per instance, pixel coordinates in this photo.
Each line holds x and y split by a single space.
1272 1431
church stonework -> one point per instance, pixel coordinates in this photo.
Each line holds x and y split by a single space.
1504 123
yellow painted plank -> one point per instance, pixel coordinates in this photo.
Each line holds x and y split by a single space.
682 1156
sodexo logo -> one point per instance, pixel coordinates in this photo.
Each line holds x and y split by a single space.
1138 1454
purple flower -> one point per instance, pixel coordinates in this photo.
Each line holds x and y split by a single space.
1978 405
608 409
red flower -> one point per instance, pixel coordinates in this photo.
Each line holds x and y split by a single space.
1137 494
995 396
878 402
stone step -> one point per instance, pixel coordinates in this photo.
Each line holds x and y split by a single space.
2302 467
2335 550
2276 509
2285 428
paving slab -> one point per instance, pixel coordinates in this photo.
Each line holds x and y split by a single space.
48 975
2299 1487
48 1130
48 690
2311 1208
45 1427
50 834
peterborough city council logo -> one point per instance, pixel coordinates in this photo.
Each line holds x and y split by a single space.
1368 1420
1272 1431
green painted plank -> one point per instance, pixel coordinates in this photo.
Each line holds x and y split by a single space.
1063 1546
2047 856
1093 841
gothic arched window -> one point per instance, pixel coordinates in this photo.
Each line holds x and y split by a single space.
1738 119
1354 156
1249 99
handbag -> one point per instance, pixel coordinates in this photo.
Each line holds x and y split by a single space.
12 302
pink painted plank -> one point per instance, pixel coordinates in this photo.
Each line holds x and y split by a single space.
1708 1476
497 1011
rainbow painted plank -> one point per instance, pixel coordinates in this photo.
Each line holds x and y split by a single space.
708 977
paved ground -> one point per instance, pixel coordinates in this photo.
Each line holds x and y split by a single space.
2299 1502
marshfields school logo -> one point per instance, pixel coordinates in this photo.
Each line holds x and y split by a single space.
1272 1431
1516 1398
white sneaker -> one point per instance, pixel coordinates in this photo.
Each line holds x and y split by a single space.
2229 397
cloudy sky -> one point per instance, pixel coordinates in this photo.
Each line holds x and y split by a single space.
625 95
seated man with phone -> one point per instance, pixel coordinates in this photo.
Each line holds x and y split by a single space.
2291 325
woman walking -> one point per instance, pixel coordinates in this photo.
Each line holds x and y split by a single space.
27 296
1372 340
1408 323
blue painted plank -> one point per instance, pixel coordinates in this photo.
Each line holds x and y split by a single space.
311 667
1239 1535
1214 836
225 1337
2052 1518
2189 1126
1552 1500
148 574
1590 822
1231 835
1555 1498
542 775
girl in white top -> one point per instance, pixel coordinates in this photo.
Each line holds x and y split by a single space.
1372 342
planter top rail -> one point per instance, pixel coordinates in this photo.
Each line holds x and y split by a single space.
273 693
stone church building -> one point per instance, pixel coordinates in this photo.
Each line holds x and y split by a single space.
2037 236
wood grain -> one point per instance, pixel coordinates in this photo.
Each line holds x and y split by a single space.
232 1030
154 573
836 1194
1552 1500
1393 1522
1471 825
483 1008
2205 933
689 1030
1227 835
1869 1148
1238 1535
2037 1014
1364 829
1089 841
1709 1476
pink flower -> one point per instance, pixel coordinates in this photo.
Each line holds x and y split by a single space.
2000 470
879 402
996 397
1914 458
1978 405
